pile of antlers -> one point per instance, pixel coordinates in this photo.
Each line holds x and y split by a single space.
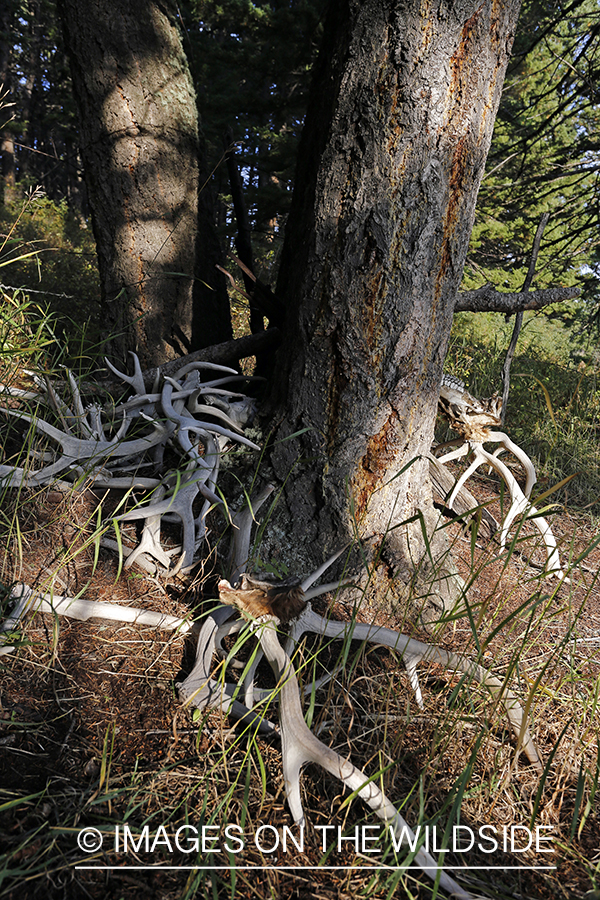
112 447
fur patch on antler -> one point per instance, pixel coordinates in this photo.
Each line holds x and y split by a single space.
265 596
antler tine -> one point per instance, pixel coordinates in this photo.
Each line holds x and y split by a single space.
462 450
186 424
142 561
203 409
136 381
470 470
210 385
222 392
65 415
521 505
151 398
81 420
242 528
517 451
309 620
93 416
180 422
200 364
179 503
310 579
211 450
300 745
329 587
193 425
122 376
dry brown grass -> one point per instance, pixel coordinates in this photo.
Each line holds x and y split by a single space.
92 733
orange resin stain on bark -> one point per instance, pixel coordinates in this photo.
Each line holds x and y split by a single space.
455 209
376 464
465 154
462 58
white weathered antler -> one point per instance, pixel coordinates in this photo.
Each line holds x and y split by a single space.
300 745
27 600
76 450
260 601
413 652
136 381
180 503
202 691
241 525
474 420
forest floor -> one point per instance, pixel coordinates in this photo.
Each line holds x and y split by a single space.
92 733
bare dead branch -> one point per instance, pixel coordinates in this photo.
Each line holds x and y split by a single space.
227 352
485 299
488 299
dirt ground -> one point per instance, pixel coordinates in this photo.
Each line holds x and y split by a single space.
92 731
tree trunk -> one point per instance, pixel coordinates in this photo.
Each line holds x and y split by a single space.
394 147
139 144
7 144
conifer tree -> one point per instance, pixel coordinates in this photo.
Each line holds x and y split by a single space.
545 155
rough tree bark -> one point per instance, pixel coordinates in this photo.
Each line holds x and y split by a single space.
394 147
139 144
